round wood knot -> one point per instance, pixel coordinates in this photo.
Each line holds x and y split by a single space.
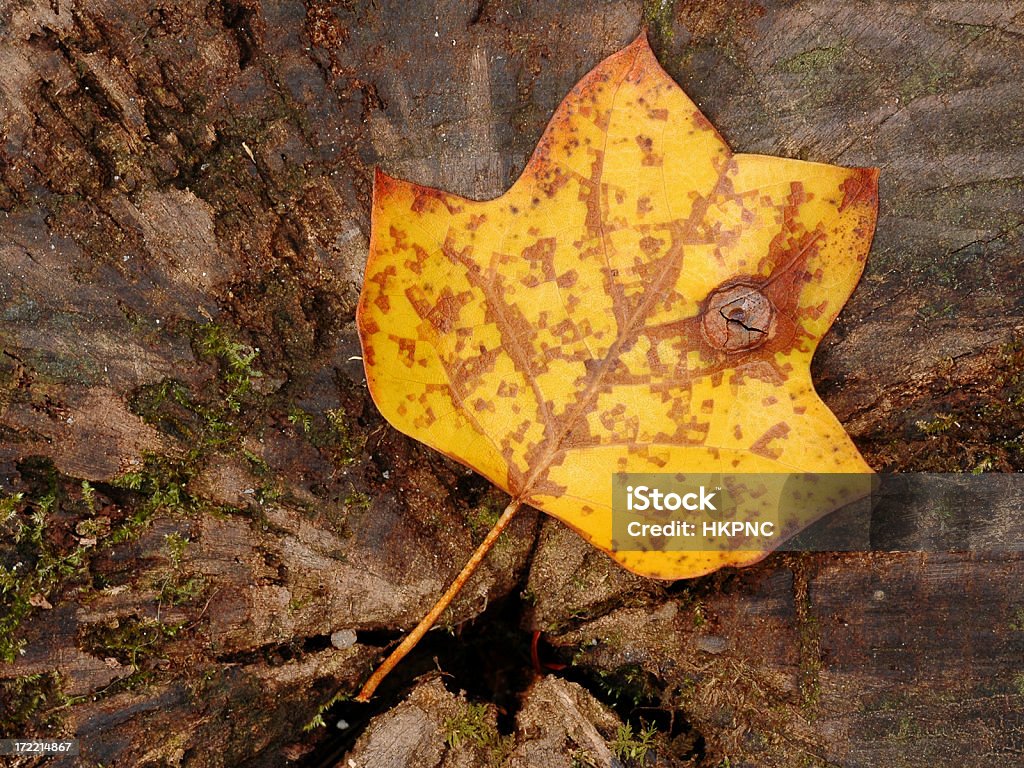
737 317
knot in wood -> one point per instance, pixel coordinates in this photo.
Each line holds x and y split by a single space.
737 317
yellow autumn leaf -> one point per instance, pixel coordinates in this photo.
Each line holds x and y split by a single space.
642 299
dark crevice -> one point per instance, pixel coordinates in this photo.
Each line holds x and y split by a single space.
238 19
272 655
378 638
478 13
488 658
316 643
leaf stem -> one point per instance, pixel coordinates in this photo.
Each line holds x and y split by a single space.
439 607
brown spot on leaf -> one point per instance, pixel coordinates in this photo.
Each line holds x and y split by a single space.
763 445
651 245
860 188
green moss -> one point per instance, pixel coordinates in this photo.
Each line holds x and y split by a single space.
318 719
357 500
89 497
32 567
475 725
177 587
482 518
682 695
1017 622
629 684
257 464
32 703
297 603
927 79
163 486
939 309
268 493
471 724
300 419
237 372
658 16
938 424
130 639
812 60
348 444
172 408
581 758
985 464
204 424
632 747
331 433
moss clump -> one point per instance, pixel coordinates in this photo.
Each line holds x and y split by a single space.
629 684
204 424
32 565
357 500
172 408
177 587
482 518
331 433
658 16
31 703
300 419
1017 622
163 486
940 423
346 444
927 79
237 372
581 758
318 718
812 60
131 640
474 724
632 747
971 421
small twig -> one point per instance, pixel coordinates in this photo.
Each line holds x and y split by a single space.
439 607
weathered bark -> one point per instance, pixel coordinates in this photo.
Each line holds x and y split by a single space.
185 188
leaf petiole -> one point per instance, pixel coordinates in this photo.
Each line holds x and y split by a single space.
434 613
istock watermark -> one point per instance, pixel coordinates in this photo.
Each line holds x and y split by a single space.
652 499
716 512
922 512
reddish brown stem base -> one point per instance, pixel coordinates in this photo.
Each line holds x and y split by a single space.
439 607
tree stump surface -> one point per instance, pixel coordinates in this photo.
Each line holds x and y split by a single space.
216 533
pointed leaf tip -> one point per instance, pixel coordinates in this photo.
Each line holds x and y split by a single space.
642 37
